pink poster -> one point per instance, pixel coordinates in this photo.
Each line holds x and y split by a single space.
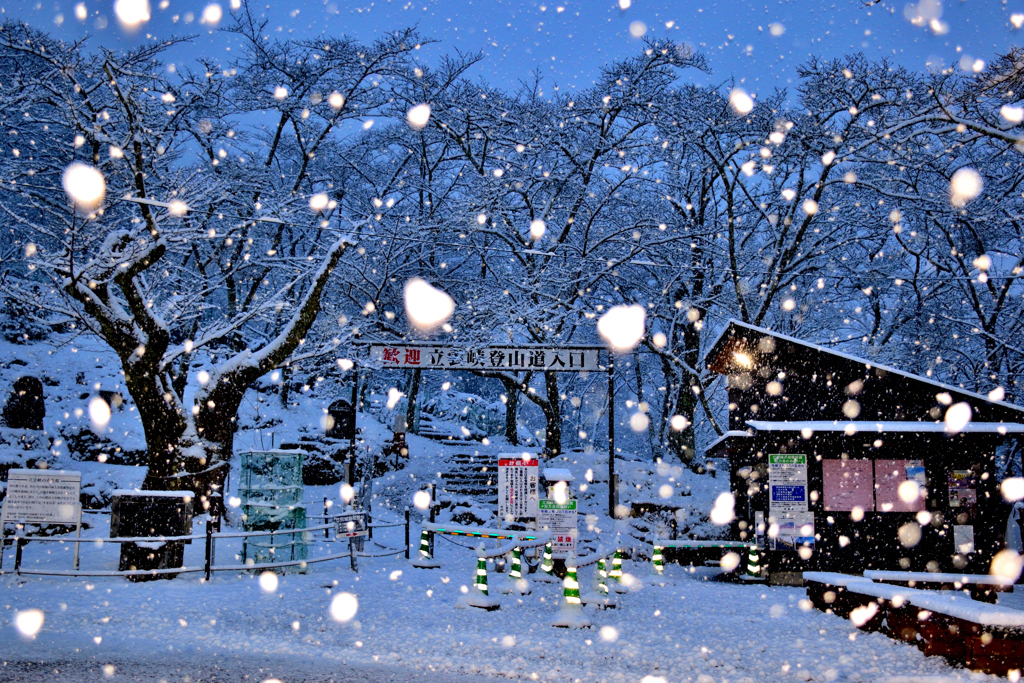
848 484
889 476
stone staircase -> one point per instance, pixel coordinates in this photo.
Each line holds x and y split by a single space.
447 432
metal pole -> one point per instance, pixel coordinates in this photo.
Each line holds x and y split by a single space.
611 436
17 555
407 533
209 546
78 535
325 517
433 514
352 555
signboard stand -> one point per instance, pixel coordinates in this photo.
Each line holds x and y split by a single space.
355 527
508 358
42 497
518 487
561 520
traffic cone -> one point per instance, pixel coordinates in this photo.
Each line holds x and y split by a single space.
481 576
571 613
599 596
547 566
616 585
519 584
753 563
423 559
477 596
616 572
659 561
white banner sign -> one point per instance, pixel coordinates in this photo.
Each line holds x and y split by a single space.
350 525
787 480
518 487
560 519
42 497
486 358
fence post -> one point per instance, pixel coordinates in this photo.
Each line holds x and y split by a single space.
20 542
209 546
407 533
325 517
433 512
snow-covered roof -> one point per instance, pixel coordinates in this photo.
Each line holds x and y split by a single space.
853 427
870 364
557 474
731 433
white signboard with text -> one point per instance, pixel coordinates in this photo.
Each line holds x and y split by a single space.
561 520
486 358
787 482
350 525
42 497
518 487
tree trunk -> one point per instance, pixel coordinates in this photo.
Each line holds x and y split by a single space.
681 443
410 410
553 414
511 411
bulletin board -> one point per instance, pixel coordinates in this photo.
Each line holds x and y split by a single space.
889 474
848 484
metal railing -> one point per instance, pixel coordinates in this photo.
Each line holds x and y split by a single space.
210 538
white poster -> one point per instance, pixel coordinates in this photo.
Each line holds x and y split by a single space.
518 487
561 520
42 496
795 530
963 538
787 480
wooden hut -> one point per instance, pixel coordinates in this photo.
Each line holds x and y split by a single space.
838 463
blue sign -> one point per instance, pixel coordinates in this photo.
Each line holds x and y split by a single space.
788 494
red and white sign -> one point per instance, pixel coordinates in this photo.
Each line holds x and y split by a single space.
518 487
512 358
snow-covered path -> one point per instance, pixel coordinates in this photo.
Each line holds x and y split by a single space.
406 620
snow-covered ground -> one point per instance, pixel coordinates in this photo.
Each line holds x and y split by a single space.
692 629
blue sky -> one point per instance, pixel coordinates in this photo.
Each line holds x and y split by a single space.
568 40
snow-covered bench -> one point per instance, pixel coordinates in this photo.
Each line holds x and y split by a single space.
828 591
976 634
698 553
982 587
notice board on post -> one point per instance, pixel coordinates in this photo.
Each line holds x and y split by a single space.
561 520
787 481
43 497
848 484
518 486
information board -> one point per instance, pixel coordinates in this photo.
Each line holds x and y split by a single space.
848 484
518 487
350 525
42 497
889 476
787 479
560 520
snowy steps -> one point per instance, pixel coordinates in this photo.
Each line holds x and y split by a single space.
472 475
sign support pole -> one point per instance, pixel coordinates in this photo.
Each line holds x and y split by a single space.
78 534
611 436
